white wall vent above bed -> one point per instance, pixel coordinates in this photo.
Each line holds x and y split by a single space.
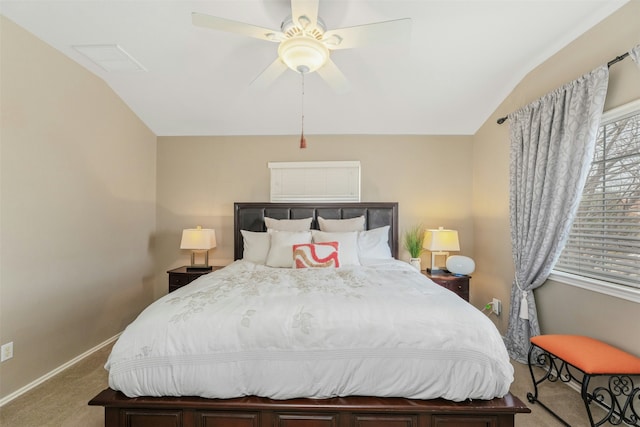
315 181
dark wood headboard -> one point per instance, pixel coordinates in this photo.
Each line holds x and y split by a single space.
250 216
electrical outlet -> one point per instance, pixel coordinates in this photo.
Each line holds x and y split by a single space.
496 306
6 351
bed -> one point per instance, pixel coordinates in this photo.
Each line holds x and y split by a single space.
259 343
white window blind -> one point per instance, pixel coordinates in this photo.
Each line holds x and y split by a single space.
332 181
604 242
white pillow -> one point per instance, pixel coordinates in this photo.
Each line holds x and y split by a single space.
281 250
351 224
288 224
347 248
374 244
256 246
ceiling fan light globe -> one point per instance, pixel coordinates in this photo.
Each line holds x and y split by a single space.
303 53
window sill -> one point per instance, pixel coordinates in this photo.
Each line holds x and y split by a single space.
611 289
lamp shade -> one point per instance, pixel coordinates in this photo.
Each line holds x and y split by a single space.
441 240
201 239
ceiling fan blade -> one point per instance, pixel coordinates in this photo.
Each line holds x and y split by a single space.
222 24
269 75
331 74
394 31
305 8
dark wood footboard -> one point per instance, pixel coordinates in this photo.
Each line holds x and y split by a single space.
121 411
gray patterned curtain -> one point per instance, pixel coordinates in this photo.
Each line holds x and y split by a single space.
552 145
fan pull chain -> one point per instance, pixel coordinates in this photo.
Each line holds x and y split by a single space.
303 141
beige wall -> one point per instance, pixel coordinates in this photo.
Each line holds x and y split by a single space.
429 176
77 211
562 308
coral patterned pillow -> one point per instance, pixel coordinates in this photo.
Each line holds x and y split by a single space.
316 255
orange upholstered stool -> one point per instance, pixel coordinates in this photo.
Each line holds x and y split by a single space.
592 358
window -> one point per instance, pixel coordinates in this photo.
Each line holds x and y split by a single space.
332 181
603 249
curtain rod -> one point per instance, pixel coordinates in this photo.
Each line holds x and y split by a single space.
618 58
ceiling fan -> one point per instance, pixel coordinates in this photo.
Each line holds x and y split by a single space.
305 44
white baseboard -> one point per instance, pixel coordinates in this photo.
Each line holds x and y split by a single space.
56 371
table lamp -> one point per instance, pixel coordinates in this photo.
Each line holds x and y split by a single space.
198 240
439 242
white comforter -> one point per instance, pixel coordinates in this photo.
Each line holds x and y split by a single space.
383 330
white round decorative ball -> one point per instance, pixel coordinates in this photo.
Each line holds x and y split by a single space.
462 265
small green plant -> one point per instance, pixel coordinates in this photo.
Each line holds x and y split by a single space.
413 241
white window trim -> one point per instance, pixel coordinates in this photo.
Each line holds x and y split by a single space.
612 289
619 112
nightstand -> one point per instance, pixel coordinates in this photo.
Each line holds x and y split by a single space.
178 277
457 284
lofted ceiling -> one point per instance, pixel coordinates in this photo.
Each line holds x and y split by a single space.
461 59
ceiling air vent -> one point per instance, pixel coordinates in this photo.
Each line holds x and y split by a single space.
110 57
